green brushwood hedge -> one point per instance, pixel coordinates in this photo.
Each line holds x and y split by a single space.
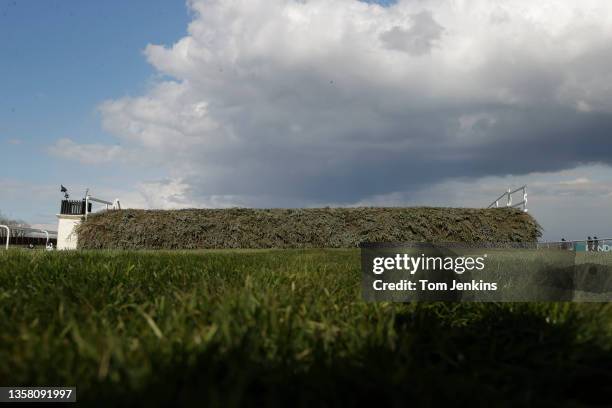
300 228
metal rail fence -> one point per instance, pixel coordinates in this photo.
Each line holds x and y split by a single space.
18 235
508 199
581 245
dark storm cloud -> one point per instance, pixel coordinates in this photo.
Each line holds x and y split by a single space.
409 157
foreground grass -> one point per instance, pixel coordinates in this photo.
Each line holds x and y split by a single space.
285 327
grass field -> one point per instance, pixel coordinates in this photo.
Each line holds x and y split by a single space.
272 327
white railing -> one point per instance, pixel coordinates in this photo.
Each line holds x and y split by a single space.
592 245
26 229
39 231
116 205
8 234
508 199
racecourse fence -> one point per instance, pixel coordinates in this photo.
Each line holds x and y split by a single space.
19 236
584 245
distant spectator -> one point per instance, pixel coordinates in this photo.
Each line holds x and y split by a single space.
595 244
564 244
589 244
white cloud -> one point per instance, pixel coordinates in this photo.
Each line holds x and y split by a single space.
170 194
86 153
252 71
418 39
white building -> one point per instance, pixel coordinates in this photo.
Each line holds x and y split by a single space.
72 213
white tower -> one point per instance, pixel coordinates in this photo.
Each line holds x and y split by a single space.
71 214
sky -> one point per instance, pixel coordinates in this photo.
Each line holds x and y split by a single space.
305 103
